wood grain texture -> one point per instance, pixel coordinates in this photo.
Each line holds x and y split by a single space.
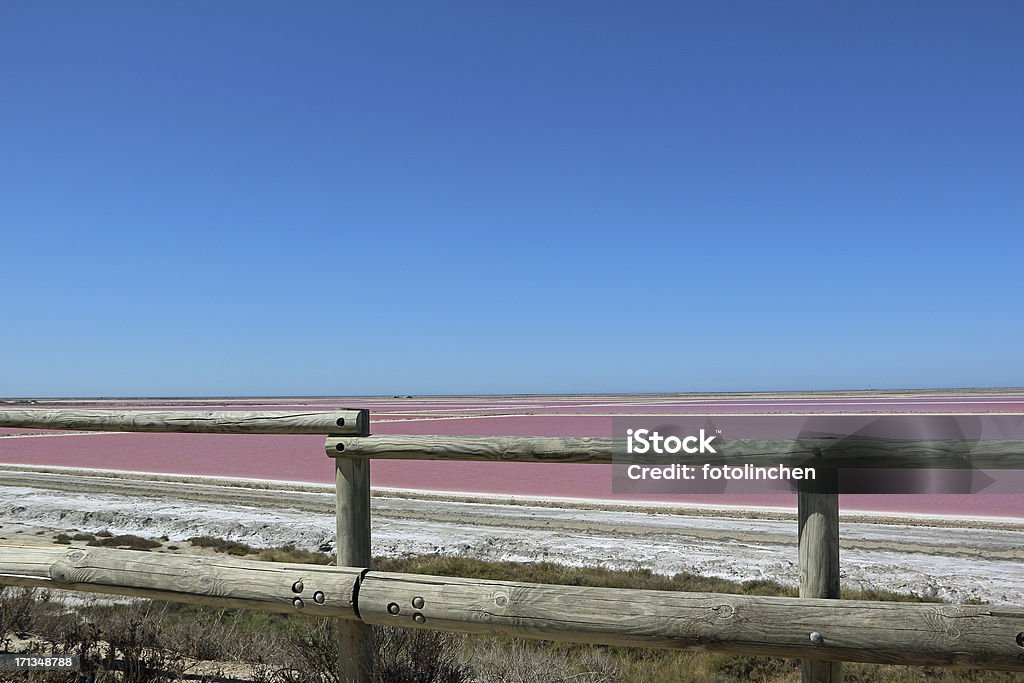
861 631
352 486
348 422
818 527
216 580
994 454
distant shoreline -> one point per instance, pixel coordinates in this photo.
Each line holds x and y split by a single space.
782 393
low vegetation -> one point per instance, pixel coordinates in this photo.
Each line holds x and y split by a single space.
286 553
222 545
140 640
108 540
126 541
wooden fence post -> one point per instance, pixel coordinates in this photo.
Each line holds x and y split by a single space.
352 481
818 527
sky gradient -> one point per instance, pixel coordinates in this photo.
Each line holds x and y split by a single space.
255 198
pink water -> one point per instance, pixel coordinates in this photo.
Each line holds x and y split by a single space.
302 458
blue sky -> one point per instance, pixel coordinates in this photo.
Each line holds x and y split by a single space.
232 197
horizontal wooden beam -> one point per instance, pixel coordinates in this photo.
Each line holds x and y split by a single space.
349 421
494 448
852 630
846 453
977 636
217 580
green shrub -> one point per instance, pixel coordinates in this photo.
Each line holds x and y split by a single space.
289 553
129 541
222 545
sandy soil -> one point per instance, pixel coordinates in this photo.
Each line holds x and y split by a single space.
952 558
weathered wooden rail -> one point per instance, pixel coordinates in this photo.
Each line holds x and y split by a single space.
817 627
839 453
219 581
852 630
353 422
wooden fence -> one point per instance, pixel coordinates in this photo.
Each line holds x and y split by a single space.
817 627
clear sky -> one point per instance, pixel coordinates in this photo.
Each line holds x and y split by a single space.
239 197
